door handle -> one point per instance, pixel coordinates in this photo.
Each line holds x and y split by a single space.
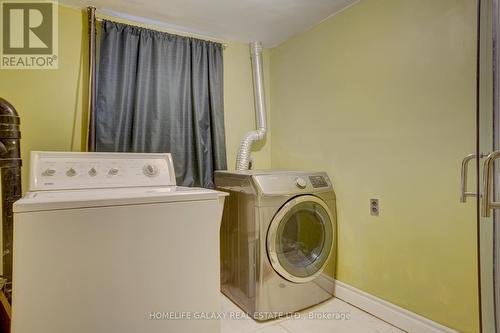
487 204
464 176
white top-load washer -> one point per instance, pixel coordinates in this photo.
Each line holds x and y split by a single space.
106 242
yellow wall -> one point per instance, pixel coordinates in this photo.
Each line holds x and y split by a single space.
49 102
52 103
381 96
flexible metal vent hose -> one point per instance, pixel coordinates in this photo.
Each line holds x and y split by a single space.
243 158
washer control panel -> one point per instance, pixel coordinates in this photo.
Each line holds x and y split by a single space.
71 170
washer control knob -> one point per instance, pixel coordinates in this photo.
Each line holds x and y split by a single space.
71 172
92 172
49 172
301 183
113 172
150 170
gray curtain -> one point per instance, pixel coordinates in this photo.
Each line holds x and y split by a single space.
158 92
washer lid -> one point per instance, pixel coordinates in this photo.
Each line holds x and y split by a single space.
84 198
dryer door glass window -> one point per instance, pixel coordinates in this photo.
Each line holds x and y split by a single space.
302 239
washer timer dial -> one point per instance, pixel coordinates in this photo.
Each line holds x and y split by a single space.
150 170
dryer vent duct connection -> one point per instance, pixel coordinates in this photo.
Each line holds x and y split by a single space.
243 158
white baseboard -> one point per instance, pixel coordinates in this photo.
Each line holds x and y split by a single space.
395 315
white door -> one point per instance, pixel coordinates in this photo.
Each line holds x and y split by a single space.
487 185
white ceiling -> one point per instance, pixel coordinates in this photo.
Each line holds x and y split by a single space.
269 21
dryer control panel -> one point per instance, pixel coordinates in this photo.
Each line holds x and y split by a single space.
286 182
318 181
72 170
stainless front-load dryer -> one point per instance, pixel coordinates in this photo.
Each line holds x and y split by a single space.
278 239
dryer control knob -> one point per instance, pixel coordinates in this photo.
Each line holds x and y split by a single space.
301 183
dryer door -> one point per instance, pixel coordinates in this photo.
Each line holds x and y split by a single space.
300 239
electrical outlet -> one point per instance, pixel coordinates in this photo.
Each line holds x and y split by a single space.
374 207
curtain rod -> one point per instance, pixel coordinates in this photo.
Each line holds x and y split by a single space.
99 19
